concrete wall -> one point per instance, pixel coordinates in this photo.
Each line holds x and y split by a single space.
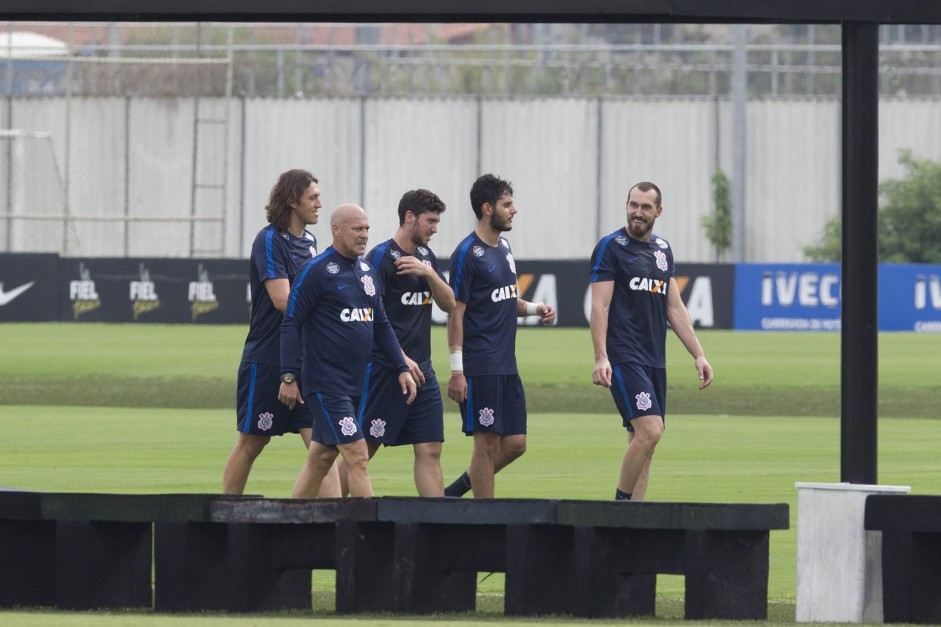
571 162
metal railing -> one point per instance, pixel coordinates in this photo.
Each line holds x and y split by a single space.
305 60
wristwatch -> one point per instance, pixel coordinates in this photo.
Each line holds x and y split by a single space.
288 377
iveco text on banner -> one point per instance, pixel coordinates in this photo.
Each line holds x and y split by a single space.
787 297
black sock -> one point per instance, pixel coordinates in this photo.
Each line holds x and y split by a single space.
621 496
460 487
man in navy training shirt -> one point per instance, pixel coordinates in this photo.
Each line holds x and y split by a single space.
409 279
334 313
482 339
278 251
633 294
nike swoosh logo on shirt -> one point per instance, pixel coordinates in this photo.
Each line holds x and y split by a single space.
491 268
341 286
7 297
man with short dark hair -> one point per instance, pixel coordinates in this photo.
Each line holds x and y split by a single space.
484 378
633 294
409 280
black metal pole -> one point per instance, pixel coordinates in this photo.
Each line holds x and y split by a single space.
859 338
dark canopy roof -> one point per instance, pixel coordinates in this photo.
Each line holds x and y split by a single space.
662 11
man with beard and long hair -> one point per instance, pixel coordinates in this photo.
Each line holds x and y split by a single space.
633 294
484 378
278 252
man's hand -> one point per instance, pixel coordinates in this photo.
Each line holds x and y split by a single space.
408 386
408 264
290 394
601 375
414 370
457 387
547 313
705 372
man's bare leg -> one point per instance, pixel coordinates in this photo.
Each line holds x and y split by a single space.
510 448
492 453
356 459
428 479
635 467
247 449
319 460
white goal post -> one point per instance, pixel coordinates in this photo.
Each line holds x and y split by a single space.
75 191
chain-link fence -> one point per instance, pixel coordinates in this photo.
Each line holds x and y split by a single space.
338 60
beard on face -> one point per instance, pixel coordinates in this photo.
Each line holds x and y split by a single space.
499 224
639 231
418 237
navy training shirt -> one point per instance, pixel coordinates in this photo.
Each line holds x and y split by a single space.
637 317
407 300
334 313
274 256
483 277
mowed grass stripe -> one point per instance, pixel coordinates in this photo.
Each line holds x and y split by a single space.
193 366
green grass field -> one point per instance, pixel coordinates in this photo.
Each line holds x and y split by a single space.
147 409
758 374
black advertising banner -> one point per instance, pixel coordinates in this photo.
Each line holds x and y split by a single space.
708 290
41 287
28 287
211 291
562 284
217 293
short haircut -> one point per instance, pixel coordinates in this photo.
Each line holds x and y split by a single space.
419 201
646 186
290 188
488 189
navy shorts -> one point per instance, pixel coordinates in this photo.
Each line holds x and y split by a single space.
335 418
495 404
258 410
639 391
387 418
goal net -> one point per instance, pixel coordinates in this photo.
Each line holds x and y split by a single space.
32 194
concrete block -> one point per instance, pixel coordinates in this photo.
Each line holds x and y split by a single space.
839 563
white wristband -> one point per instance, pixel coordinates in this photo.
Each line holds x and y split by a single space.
532 309
457 361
